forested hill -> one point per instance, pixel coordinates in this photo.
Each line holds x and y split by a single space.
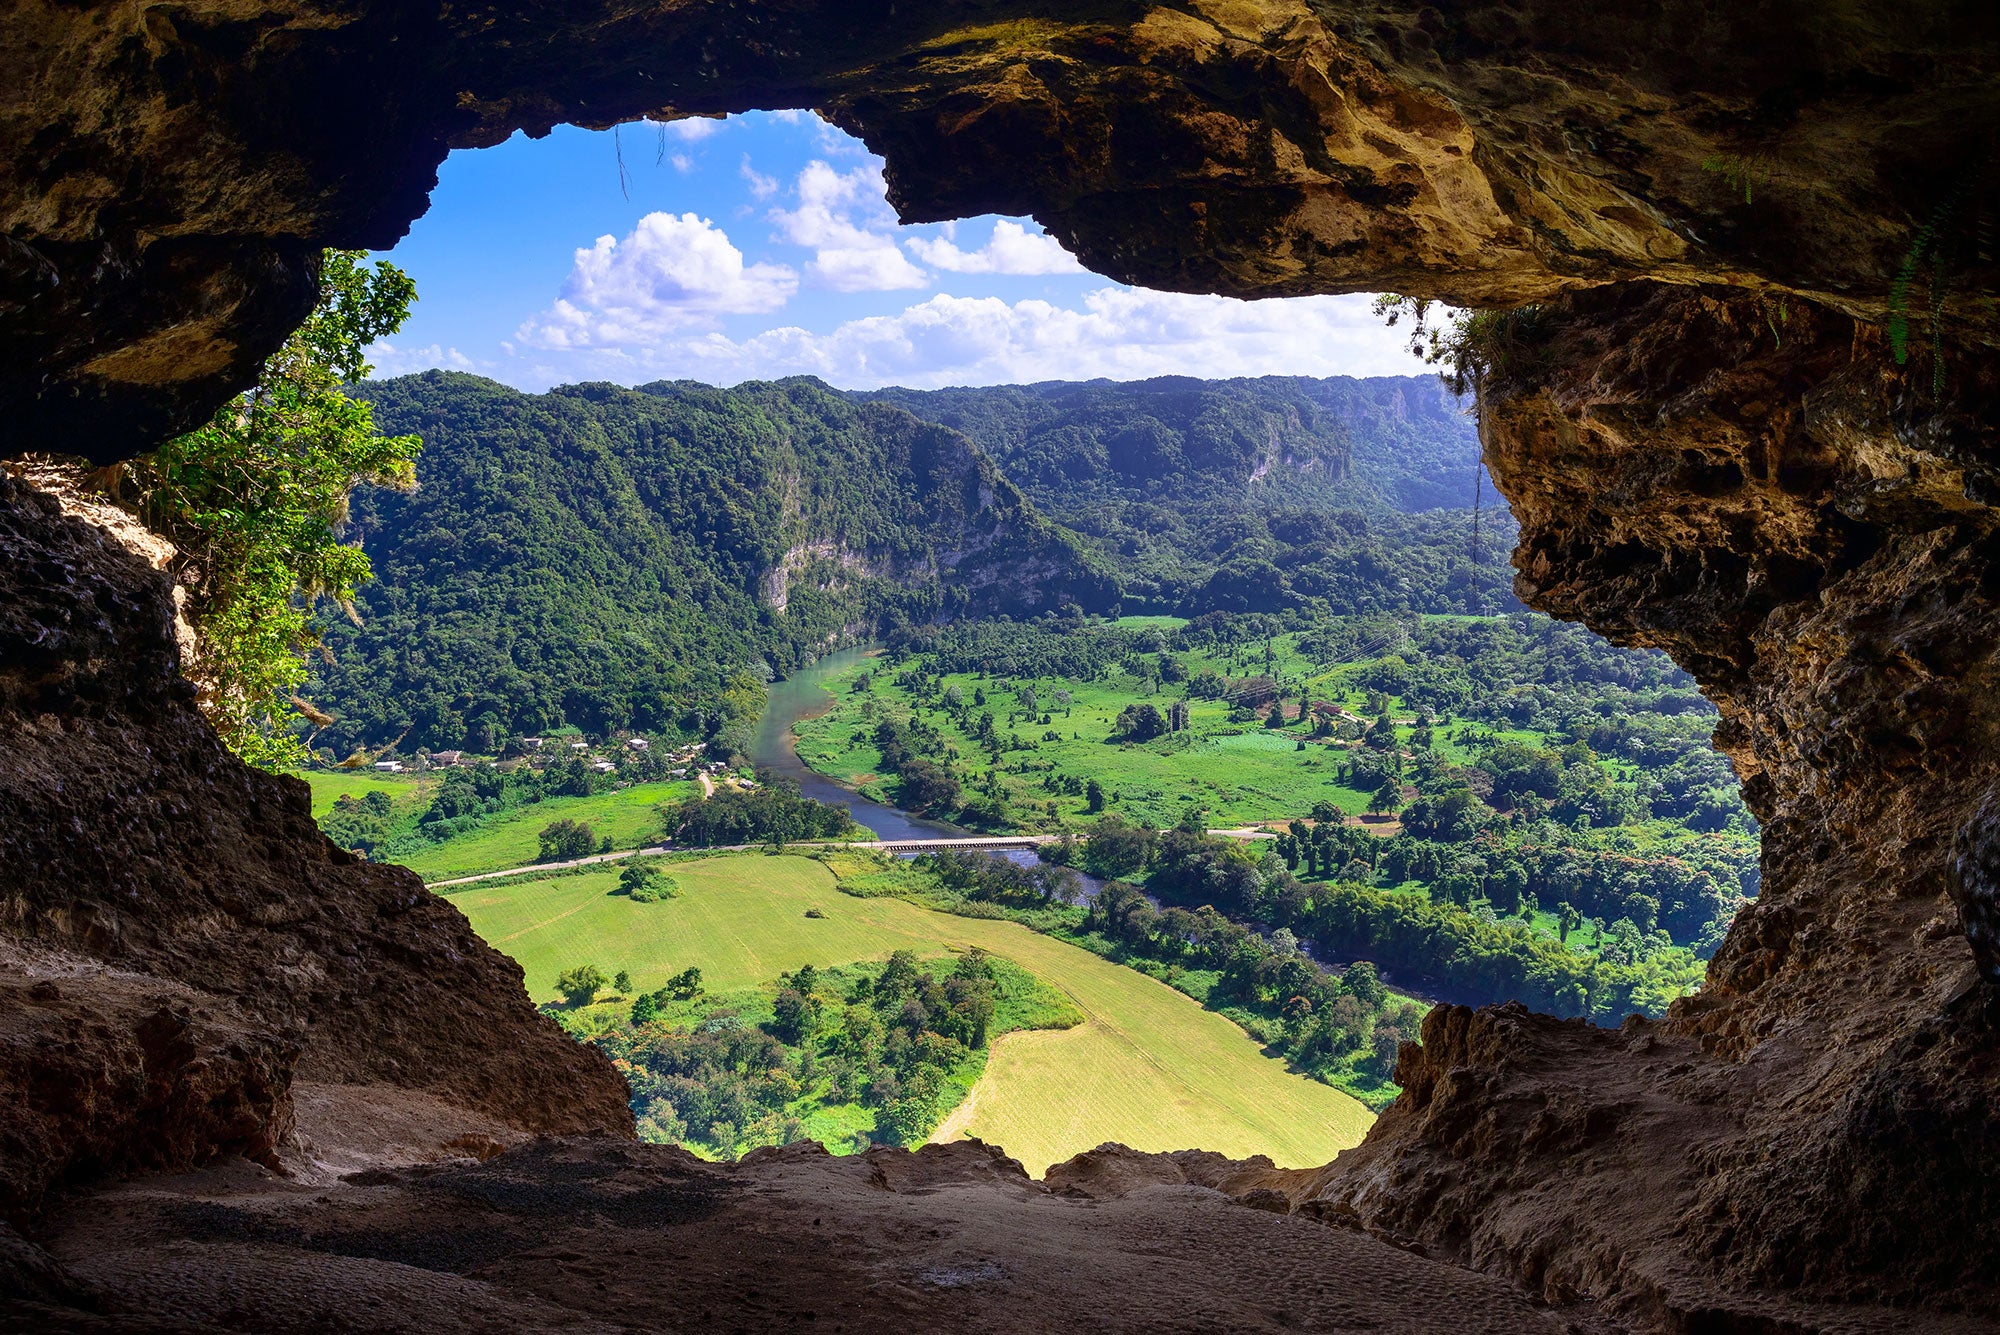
1396 442
1256 495
605 557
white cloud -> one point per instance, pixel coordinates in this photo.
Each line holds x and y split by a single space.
692 128
845 218
761 186
682 163
1013 249
670 274
390 360
1117 333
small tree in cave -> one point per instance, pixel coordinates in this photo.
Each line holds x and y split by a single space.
253 503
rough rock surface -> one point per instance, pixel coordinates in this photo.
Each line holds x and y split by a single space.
178 941
1790 515
171 171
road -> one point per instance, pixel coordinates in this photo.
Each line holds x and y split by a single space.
989 843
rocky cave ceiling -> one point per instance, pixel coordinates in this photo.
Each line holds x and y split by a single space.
172 169
1749 418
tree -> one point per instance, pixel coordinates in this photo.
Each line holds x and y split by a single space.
621 983
1140 723
1567 919
566 839
792 1016
1093 796
253 503
1117 847
579 986
645 1009
927 786
1388 796
1364 980
685 985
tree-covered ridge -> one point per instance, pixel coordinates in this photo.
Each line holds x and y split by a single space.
1254 495
607 558
1400 442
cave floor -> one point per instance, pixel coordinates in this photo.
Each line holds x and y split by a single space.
603 1235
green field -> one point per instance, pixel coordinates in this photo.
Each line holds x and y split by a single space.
1148 1067
1242 772
630 816
330 785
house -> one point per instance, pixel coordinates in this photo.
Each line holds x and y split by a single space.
579 746
447 757
603 766
531 743
390 766
638 743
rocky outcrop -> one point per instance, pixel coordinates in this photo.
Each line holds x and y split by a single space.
591 1236
178 942
1802 523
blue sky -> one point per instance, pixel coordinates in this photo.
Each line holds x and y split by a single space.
762 246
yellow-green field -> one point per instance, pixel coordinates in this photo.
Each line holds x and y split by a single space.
1148 1067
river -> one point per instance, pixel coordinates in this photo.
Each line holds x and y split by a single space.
803 695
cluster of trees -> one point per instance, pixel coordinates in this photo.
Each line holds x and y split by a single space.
895 1037
1468 954
464 799
1316 1018
774 811
914 752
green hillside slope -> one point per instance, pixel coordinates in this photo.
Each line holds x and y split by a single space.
604 558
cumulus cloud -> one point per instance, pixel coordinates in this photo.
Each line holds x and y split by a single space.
390 360
1116 333
670 274
1013 249
845 218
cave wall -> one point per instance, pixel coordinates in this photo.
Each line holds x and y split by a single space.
179 943
1711 441
1791 514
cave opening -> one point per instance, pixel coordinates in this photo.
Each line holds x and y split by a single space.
1724 431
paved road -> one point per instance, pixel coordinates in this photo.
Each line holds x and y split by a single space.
991 842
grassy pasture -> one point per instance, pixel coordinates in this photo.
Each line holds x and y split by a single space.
1242 772
328 786
1148 1067
630 816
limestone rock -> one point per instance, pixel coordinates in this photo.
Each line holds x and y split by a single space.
178 941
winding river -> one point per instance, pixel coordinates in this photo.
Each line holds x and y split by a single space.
804 695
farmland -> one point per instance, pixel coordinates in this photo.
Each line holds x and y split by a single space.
1148 1066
